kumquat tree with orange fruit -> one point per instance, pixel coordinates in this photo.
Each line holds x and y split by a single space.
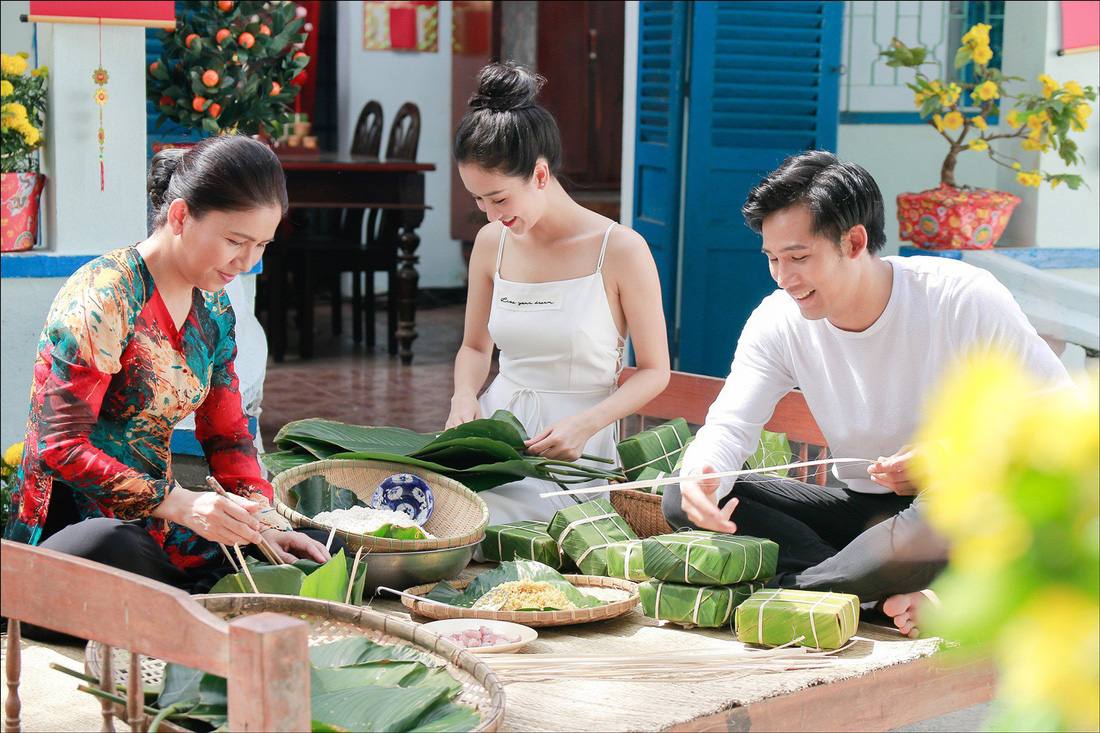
229 65
960 111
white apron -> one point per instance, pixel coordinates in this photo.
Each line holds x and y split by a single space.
560 354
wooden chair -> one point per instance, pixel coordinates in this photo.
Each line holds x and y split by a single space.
367 139
264 657
690 396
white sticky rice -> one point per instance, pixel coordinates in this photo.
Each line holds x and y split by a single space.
363 520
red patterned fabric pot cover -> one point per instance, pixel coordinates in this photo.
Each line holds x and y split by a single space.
953 218
19 218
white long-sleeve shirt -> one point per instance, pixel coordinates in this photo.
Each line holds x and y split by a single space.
867 390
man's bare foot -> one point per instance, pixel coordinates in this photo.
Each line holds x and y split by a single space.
905 607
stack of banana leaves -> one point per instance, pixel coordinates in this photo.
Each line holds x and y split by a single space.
355 684
480 454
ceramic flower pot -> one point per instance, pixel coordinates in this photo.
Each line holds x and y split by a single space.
21 193
954 218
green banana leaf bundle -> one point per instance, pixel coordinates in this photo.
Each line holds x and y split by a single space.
624 560
710 606
698 557
444 592
774 450
659 448
481 454
355 684
807 618
584 532
307 578
522 541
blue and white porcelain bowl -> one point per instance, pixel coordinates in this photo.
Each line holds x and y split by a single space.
407 494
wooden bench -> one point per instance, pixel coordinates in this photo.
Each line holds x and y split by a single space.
264 657
690 396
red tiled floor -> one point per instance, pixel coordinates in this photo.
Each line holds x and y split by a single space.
366 386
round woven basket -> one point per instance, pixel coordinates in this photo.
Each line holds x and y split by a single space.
641 511
459 518
622 597
329 621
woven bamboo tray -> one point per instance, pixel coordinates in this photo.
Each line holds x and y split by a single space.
621 594
641 511
329 621
459 518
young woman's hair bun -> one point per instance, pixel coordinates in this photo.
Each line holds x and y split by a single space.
506 87
505 129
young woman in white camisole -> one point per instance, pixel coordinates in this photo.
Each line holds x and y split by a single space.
556 287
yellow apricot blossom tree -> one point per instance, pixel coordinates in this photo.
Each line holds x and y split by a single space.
21 114
960 111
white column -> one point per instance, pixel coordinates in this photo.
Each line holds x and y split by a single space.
81 218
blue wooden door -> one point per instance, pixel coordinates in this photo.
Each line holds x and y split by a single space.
764 84
662 49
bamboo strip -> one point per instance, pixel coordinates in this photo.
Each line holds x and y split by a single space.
168 25
268 551
244 567
652 483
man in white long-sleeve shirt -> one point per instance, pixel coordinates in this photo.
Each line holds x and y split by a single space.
867 340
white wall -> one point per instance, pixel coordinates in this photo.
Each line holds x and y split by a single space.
24 303
393 78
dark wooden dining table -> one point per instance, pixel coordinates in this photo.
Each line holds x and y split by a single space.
345 181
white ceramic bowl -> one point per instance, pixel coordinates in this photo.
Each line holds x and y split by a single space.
446 627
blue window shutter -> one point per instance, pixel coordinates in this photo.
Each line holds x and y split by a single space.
662 44
764 85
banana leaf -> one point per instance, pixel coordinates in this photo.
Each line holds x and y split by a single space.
315 495
507 571
285 460
709 606
303 578
347 437
402 674
521 541
279 579
708 558
774 450
807 618
584 531
358 650
378 708
624 560
330 581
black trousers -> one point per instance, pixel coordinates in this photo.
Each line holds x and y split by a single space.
128 546
831 539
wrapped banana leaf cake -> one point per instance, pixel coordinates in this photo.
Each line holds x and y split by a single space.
658 448
521 541
624 560
710 606
585 531
807 618
698 557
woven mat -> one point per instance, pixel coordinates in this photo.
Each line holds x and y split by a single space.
50 699
636 705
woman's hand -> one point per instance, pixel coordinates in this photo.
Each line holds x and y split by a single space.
212 517
563 440
893 471
699 500
294 545
463 409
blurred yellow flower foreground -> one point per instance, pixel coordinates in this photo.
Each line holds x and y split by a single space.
1016 489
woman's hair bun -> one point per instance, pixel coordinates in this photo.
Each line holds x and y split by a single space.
506 87
160 173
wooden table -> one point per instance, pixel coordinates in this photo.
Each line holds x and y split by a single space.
346 181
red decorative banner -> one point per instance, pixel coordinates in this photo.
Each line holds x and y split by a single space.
143 13
1080 25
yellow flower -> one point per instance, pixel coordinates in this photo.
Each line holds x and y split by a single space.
1050 654
937 120
982 55
13 65
6 88
950 95
31 135
1080 114
978 144
101 96
1072 87
13 456
1030 179
953 120
1049 85
1031 144
979 122
977 35
986 91
1016 166
1013 119
1036 121
1054 183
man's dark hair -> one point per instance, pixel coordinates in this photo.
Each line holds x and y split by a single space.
838 195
